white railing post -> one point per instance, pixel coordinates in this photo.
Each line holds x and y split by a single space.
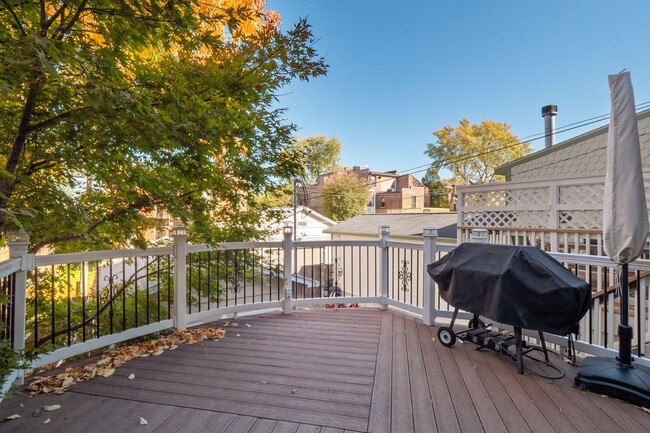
554 217
179 311
18 243
384 233
430 236
287 246
479 236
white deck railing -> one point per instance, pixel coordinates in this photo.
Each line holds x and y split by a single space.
75 303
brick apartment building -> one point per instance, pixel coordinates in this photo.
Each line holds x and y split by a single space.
387 191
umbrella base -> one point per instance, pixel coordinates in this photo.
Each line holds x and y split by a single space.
610 377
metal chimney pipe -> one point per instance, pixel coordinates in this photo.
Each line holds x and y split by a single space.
548 113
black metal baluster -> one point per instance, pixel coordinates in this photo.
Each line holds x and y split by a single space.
110 296
198 290
158 286
123 295
227 277
638 315
36 307
209 281
253 278
591 306
135 291
97 300
218 278
244 273
146 283
169 285
189 284
53 295
605 296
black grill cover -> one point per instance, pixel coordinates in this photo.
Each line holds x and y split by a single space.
518 286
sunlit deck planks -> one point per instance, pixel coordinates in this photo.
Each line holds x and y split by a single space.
327 371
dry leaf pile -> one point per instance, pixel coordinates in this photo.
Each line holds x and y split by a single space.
105 367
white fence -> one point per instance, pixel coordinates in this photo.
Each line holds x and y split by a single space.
74 303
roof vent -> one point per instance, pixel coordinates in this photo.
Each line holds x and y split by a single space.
548 113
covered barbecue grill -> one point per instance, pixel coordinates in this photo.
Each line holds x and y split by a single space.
516 285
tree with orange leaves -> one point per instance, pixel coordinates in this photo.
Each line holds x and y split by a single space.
111 109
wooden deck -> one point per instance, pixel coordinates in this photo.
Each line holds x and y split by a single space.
327 371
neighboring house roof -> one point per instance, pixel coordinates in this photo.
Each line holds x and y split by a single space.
313 227
401 225
508 169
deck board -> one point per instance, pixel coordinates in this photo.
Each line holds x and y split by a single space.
443 407
326 371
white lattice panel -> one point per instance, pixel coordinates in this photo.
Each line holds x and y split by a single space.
504 198
504 219
581 220
591 194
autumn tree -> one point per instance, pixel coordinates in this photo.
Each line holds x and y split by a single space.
112 109
472 151
344 196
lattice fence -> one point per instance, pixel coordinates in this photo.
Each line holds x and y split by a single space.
569 212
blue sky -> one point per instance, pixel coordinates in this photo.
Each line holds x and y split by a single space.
401 70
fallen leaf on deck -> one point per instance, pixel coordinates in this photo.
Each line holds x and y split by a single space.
12 417
263 382
22 405
143 421
37 412
131 376
645 409
235 324
67 381
115 358
238 335
248 325
52 407
47 421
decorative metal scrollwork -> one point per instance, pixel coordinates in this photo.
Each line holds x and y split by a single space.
404 275
338 271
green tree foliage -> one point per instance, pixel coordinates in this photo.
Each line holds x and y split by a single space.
472 151
437 190
344 196
159 104
281 196
321 155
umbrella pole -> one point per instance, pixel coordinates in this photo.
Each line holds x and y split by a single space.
624 329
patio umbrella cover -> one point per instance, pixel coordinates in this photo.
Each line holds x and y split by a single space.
625 213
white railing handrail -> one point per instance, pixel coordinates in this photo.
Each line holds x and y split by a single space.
10 266
98 255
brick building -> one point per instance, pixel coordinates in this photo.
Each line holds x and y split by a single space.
387 191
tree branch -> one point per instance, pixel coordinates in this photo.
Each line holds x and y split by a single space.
61 31
46 24
13 13
51 121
